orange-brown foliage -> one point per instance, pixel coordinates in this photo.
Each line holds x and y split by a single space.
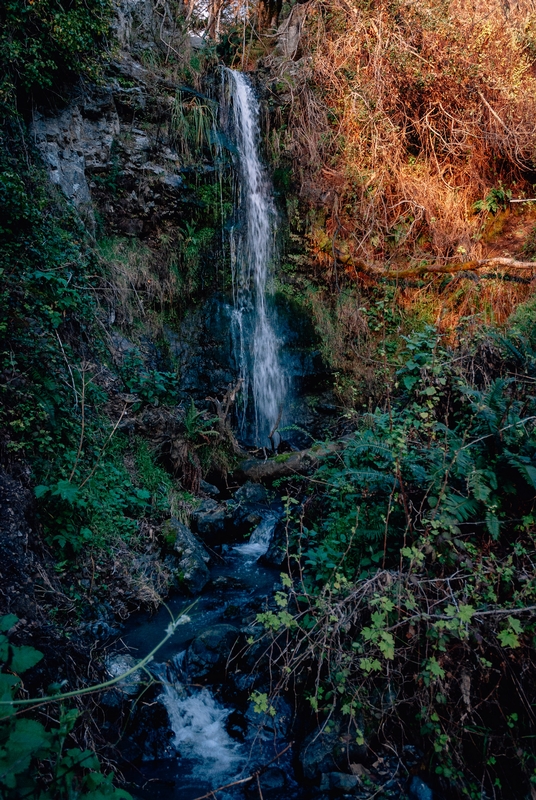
403 114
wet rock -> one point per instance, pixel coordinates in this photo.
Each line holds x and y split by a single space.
119 664
203 351
251 493
316 755
328 751
339 782
276 555
211 649
418 789
225 582
272 782
209 488
267 726
100 629
151 737
191 570
211 520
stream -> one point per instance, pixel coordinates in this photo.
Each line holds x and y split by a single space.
210 732
200 730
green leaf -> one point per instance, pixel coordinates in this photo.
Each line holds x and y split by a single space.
7 622
387 645
435 668
28 738
508 638
66 490
466 613
409 381
8 683
493 525
515 625
24 658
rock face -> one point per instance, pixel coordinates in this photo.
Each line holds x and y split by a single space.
76 142
210 650
203 350
192 559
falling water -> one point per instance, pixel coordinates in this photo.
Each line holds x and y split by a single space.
252 256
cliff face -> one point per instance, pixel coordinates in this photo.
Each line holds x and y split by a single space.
112 148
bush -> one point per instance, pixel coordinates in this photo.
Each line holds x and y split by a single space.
46 41
414 595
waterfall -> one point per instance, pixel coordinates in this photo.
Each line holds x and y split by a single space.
252 255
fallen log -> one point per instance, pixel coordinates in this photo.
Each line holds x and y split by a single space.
286 464
421 269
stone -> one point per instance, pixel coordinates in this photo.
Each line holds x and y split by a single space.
418 789
330 751
75 141
210 519
117 665
339 782
360 770
209 488
251 493
272 782
276 555
211 649
316 754
266 726
191 558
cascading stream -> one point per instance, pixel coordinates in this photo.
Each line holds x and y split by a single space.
252 255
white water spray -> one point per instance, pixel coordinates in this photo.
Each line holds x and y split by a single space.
198 724
252 256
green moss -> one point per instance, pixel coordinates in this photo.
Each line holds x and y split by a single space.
282 458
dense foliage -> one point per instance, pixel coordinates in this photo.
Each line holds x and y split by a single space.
43 42
413 591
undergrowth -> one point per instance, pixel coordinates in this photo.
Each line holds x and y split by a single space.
408 611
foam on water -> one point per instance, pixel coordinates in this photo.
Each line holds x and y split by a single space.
198 724
260 539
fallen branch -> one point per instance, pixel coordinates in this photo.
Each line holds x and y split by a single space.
287 464
463 266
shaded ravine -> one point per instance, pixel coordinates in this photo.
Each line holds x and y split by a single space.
210 734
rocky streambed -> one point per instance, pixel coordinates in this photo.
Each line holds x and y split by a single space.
196 722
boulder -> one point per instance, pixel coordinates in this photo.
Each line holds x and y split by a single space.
339 782
329 751
211 519
276 555
191 559
211 649
266 726
419 790
251 493
119 664
209 489
272 781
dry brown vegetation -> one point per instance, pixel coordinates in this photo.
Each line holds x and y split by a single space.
402 116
